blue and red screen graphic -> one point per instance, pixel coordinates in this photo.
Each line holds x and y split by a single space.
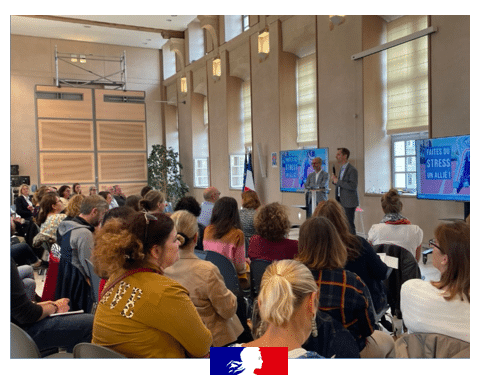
254 360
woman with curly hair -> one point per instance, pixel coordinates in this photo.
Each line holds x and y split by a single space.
250 204
272 226
142 313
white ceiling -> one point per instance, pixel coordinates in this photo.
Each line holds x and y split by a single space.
89 32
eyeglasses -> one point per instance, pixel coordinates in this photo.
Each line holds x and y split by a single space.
432 243
148 218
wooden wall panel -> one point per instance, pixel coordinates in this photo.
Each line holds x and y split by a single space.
63 108
66 167
64 135
122 167
128 136
127 188
119 110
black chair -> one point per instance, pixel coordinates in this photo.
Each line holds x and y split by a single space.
94 351
408 268
94 284
22 346
227 270
257 266
229 273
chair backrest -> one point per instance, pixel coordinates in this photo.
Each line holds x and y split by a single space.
94 280
227 270
22 346
408 268
257 268
94 351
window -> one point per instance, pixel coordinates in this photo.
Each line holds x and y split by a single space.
237 171
201 172
233 26
407 77
246 113
306 100
245 23
404 160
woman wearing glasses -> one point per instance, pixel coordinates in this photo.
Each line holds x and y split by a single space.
442 306
141 312
49 216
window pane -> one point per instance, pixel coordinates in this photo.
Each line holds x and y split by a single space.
400 180
411 181
399 148
411 164
399 164
410 147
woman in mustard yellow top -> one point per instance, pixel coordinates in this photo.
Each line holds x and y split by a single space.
141 312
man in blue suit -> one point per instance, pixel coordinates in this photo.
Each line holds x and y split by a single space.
346 186
318 179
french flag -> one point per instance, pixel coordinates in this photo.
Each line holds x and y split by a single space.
248 174
248 360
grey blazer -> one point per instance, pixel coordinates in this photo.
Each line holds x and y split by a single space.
348 188
322 182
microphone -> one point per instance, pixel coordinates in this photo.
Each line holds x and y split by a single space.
334 170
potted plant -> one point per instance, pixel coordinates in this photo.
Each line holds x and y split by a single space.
164 173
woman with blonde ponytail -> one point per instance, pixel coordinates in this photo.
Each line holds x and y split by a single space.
287 302
215 304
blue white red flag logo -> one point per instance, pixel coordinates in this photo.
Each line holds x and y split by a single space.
248 360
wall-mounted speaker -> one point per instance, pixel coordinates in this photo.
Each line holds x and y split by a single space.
13 169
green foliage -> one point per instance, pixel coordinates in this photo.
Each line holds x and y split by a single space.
165 173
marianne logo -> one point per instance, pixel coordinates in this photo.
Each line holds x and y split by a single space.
248 361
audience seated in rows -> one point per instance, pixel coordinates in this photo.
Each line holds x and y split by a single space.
215 304
272 226
143 313
361 257
343 294
395 228
211 195
224 235
442 307
47 332
250 203
287 302
189 203
76 246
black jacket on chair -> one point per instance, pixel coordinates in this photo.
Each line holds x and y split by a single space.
407 269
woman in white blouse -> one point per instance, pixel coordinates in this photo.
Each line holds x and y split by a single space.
395 228
442 306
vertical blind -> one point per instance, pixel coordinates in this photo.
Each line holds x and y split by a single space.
246 112
306 100
407 77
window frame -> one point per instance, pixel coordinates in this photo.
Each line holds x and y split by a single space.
412 136
196 169
231 167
